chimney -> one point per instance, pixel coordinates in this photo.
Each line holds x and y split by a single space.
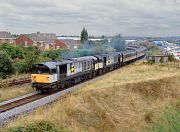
38 33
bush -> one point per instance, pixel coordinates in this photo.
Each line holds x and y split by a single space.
171 58
118 43
31 57
20 66
55 54
42 126
13 51
6 67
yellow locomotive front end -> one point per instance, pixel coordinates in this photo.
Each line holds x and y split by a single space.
40 78
44 76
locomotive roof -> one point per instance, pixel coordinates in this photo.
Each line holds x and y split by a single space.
63 62
50 65
98 56
105 55
53 64
84 58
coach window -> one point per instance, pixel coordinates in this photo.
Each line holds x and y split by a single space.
79 66
89 65
84 66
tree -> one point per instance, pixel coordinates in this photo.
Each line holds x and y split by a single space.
12 51
31 57
84 35
55 54
118 43
6 67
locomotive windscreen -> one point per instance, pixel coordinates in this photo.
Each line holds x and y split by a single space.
41 70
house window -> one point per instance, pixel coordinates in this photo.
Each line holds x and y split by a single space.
46 46
11 41
25 44
35 44
75 47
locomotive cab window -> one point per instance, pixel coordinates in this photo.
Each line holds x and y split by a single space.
41 70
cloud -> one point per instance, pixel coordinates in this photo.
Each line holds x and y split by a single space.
137 17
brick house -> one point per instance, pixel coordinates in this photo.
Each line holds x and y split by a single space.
43 41
6 37
71 44
59 44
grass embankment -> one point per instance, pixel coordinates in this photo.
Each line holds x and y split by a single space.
7 93
133 98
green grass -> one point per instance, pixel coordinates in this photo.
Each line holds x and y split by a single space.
169 120
41 126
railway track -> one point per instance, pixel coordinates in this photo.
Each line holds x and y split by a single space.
20 102
15 82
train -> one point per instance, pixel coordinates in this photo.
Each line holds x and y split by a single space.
55 75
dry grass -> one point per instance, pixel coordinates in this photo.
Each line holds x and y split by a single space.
7 93
125 100
15 77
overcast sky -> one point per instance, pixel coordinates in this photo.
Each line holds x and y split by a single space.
108 17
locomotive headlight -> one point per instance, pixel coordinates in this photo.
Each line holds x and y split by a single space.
48 78
33 77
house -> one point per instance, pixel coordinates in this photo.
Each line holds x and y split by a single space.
71 44
59 44
6 37
43 41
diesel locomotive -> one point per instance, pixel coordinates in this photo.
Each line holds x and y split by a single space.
55 75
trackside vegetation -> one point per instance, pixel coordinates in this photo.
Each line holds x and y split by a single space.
18 59
5 64
41 126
